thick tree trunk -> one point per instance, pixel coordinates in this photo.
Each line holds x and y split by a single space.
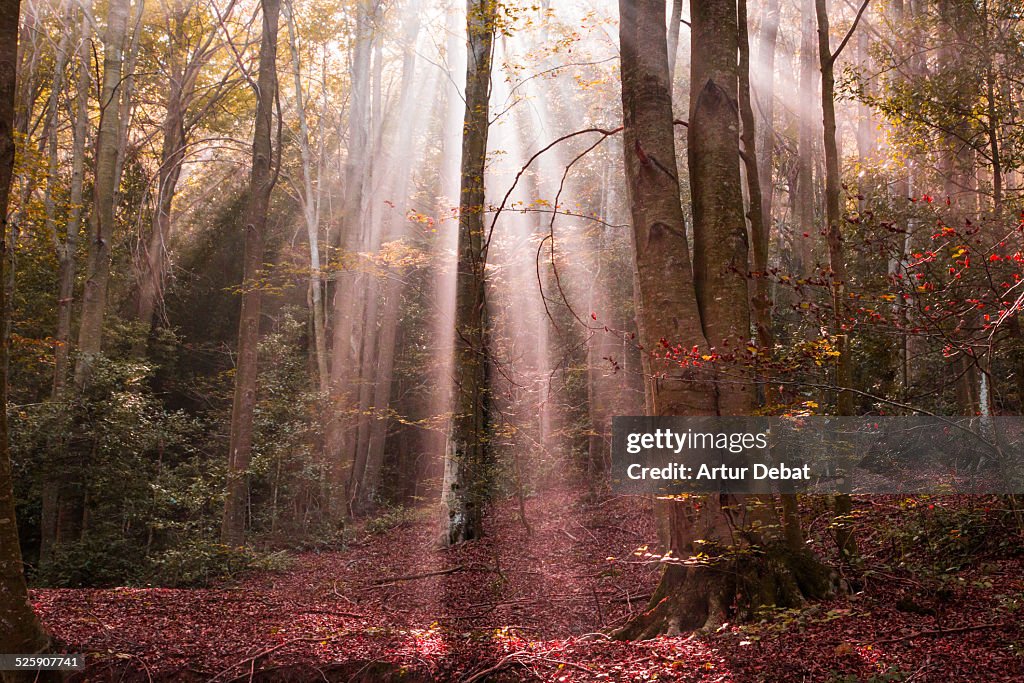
695 595
94 296
261 184
720 235
666 304
465 486
20 630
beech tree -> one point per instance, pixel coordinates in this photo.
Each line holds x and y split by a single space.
706 308
109 144
20 630
464 490
261 185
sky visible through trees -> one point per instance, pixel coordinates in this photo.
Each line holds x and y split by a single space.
316 314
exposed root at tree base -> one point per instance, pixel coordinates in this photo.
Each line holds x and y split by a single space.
703 597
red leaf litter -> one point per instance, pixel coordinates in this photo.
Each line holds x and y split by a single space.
522 605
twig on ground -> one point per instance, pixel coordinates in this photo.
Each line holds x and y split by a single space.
413 577
937 632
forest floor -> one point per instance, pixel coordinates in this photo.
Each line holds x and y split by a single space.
535 605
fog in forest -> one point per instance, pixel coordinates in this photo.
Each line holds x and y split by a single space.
299 289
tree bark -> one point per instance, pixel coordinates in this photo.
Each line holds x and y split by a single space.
720 236
767 41
67 250
392 290
20 630
344 350
694 595
759 221
261 184
310 200
464 489
833 214
102 218
675 23
805 233
843 503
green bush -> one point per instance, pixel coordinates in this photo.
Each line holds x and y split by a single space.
197 562
390 518
112 562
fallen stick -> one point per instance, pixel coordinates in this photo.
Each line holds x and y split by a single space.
332 613
414 577
937 632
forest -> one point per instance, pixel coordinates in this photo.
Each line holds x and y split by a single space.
315 316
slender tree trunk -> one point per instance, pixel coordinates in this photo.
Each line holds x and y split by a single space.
392 290
370 293
845 539
184 61
765 94
805 233
126 93
865 129
310 201
67 250
833 214
759 222
675 23
20 630
101 224
464 489
344 351
261 184
151 284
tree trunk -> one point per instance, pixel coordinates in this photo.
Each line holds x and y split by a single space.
837 264
697 595
464 489
310 200
94 296
833 215
805 231
67 250
675 23
767 41
20 630
720 236
184 62
261 184
151 283
339 437
392 291
759 222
